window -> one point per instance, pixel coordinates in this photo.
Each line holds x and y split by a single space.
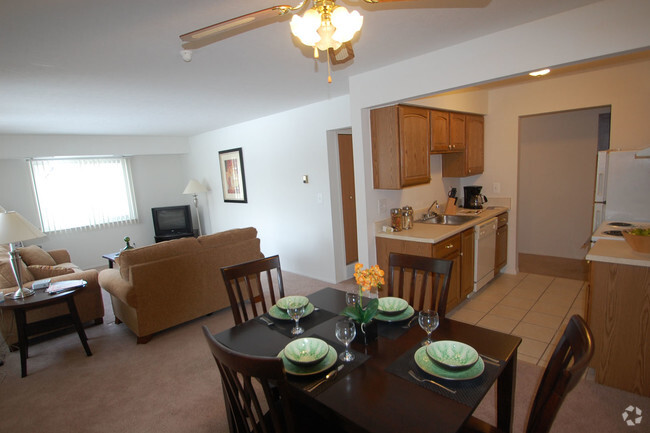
74 193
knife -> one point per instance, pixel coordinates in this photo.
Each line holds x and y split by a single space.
331 375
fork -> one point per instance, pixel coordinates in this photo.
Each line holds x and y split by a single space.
419 379
266 320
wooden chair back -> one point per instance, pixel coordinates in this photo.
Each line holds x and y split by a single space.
244 286
427 285
563 372
256 391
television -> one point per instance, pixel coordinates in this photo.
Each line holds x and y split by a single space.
172 220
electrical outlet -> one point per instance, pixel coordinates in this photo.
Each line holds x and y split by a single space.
496 187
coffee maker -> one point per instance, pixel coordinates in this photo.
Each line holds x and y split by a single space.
473 197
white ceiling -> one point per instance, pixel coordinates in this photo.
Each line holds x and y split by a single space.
114 67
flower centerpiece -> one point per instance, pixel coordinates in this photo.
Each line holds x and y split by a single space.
366 280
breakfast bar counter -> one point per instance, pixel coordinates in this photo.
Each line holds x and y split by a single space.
616 251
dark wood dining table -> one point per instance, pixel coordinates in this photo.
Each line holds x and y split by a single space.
369 396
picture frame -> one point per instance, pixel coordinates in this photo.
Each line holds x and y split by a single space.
233 179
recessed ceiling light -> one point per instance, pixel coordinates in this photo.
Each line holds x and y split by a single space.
539 73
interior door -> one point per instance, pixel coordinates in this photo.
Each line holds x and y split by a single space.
348 198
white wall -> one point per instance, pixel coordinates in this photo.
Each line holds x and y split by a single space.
600 29
293 219
158 180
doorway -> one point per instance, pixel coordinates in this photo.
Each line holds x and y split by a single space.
557 166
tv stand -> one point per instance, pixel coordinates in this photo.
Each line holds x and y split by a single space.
173 236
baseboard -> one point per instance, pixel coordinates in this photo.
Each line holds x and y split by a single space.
562 267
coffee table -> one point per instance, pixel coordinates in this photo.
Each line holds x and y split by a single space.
39 300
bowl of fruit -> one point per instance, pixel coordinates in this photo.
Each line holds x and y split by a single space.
638 239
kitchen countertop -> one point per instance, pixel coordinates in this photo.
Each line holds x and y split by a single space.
619 252
434 233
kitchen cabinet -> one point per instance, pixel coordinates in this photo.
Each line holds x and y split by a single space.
501 253
401 139
447 131
617 314
448 249
466 263
470 161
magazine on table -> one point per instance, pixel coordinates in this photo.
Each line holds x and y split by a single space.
63 286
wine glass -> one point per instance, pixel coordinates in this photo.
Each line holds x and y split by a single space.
296 312
429 321
352 298
345 333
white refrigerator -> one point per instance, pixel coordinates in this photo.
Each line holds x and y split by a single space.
622 186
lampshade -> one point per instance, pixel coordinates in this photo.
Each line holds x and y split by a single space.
194 187
15 228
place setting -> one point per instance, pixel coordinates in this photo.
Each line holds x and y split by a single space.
394 317
450 368
316 363
287 314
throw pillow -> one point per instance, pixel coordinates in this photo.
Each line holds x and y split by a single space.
35 255
44 271
7 278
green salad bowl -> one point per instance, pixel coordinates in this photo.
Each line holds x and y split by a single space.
292 301
452 354
392 306
306 351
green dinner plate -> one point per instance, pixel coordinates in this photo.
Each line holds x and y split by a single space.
406 314
452 354
306 351
391 306
427 364
300 370
299 301
280 314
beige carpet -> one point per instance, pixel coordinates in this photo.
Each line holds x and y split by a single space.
172 385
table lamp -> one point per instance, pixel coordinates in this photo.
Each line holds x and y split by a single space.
194 187
15 228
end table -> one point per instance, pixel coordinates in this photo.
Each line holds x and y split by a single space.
39 300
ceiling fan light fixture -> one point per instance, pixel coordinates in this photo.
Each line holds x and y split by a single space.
306 27
326 26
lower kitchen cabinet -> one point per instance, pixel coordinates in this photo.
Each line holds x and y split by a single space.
501 253
449 249
466 263
617 313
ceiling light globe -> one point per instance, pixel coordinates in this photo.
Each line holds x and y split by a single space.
305 28
325 31
346 23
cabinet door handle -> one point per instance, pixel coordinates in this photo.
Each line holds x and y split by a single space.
449 246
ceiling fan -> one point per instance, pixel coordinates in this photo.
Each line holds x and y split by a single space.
325 26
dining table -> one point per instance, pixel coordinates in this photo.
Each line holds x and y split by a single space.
376 392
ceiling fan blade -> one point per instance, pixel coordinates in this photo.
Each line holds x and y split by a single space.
343 54
215 30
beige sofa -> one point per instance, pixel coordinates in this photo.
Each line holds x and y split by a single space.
39 264
169 283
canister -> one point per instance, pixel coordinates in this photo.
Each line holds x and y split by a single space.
396 219
407 217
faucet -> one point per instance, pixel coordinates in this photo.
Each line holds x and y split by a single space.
429 213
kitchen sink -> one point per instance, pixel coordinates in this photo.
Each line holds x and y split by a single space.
452 220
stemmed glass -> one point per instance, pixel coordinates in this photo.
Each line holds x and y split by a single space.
345 333
351 298
429 321
296 312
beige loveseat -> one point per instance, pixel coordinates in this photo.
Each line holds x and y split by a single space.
169 283
39 264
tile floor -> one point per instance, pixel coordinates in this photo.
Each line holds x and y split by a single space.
534 307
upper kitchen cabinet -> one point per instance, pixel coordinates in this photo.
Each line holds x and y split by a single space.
470 161
447 131
400 146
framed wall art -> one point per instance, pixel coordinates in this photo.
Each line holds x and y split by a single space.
233 181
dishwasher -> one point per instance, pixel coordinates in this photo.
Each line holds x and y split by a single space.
485 243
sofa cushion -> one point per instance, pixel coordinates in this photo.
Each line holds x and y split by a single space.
45 271
7 278
35 255
154 252
228 237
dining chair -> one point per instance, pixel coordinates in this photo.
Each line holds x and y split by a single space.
420 292
244 286
563 372
257 396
